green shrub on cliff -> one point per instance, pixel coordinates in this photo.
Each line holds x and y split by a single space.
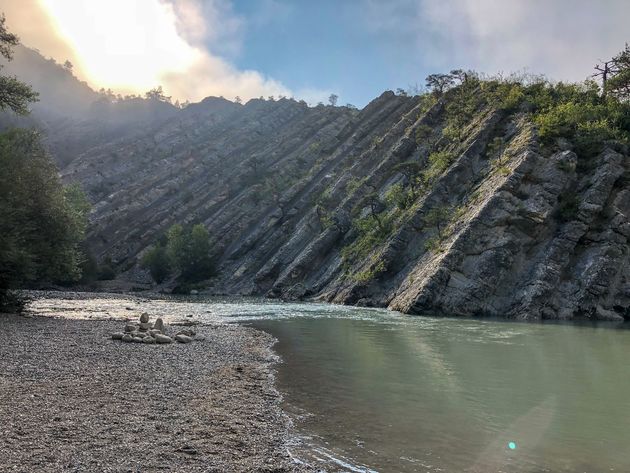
583 118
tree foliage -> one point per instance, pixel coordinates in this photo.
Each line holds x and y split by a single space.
411 170
14 94
185 252
157 262
618 83
157 94
439 83
41 223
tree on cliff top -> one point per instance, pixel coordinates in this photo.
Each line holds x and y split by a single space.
157 94
439 83
619 84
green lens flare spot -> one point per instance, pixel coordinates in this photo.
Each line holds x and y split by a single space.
512 445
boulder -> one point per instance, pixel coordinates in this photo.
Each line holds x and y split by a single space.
189 332
137 339
159 324
144 326
608 315
149 340
183 338
144 318
153 332
159 338
127 338
117 335
130 328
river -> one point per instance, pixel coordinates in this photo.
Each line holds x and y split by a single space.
371 390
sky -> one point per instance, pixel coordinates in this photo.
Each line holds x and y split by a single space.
308 49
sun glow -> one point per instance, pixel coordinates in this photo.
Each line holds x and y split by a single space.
125 45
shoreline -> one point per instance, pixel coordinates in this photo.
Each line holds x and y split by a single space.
73 399
77 294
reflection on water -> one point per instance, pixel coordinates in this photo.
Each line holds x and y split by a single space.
454 395
373 390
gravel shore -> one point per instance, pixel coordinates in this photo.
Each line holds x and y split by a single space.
72 399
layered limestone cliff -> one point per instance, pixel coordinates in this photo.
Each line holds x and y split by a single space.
280 186
397 205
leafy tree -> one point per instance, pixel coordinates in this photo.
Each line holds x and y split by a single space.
424 134
157 94
42 224
106 271
438 217
176 246
619 84
439 83
198 263
187 251
614 75
461 75
439 161
14 95
157 262
332 100
375 206
411 170
398 196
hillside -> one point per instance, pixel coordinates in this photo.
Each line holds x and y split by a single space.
71 116
502 228
467 204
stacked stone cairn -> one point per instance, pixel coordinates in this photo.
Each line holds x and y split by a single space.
145 332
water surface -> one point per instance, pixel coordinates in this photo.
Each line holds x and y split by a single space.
371 390
409 394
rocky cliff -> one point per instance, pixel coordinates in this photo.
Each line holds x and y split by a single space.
395 205
520 232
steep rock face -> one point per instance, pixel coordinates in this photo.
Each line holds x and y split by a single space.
280 187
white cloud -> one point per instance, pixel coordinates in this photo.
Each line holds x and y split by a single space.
134 45
560 38
209 22
211 75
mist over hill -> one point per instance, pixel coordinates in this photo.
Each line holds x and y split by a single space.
72 116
